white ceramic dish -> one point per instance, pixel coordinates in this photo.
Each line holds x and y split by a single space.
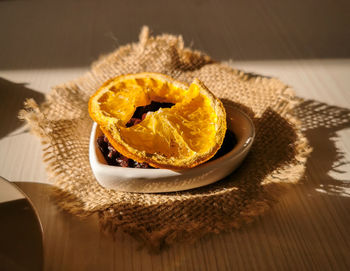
163 180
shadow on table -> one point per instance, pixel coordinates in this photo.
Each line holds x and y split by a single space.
320 123
12 97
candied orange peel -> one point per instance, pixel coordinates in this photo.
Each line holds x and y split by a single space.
183 136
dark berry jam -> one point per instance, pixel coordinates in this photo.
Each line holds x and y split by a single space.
115 158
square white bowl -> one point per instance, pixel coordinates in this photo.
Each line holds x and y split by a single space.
150 180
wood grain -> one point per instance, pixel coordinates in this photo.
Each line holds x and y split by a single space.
304 43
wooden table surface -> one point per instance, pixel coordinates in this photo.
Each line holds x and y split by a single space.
304 43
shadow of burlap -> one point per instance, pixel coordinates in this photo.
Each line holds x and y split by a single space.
277 158
13 95
320 123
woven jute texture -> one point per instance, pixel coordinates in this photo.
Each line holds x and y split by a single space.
277 158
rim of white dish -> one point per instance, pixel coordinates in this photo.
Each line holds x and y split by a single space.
238 149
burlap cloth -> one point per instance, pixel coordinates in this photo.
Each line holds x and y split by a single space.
277 158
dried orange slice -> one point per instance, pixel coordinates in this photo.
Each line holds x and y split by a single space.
183 136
